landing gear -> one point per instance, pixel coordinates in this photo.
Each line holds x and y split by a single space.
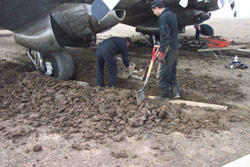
152 40
182 29
56 64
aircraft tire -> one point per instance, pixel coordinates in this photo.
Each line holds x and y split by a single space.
62 64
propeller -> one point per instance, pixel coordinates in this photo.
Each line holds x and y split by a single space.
183 3
100 8
232 5
221 3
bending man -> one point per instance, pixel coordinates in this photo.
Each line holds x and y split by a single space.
203 29
106 52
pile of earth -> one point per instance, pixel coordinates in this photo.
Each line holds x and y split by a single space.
29 101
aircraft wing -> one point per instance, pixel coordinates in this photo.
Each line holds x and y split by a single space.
189 12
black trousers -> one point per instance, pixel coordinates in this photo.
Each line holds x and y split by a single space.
166 73
103 56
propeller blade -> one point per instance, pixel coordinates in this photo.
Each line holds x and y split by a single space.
100 8
221 3
232 4
183 3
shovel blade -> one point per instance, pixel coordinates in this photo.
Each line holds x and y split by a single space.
139 97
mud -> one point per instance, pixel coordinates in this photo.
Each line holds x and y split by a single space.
31 100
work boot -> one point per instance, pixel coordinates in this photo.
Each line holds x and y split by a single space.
163 95
174 92
161 98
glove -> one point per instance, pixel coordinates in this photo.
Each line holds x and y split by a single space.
129 68
197 42
162 57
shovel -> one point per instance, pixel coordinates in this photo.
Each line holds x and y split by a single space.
140 93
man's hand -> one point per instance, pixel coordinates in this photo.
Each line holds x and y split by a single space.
129 68
162 57
197 42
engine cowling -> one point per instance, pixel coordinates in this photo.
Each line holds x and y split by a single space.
113 18
76 26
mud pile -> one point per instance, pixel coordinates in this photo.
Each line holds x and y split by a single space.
29 101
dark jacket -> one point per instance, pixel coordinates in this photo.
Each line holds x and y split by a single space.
168 30
205 30
115 45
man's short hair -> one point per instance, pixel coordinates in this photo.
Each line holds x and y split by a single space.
157 3
129 40
196 26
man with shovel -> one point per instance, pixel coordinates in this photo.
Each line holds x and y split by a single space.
106 53
169 46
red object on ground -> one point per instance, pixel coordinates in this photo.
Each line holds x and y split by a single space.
216 42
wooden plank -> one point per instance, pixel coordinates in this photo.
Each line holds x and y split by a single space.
195 104
124 74
243 50
137 77
230 47
122 71
241 162
195 45
138 74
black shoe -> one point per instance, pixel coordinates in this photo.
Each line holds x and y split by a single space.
174 92
161 98
176 96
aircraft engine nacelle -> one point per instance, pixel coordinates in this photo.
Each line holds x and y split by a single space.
39 35
77 27
206 5
114 17
171 3
194 17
